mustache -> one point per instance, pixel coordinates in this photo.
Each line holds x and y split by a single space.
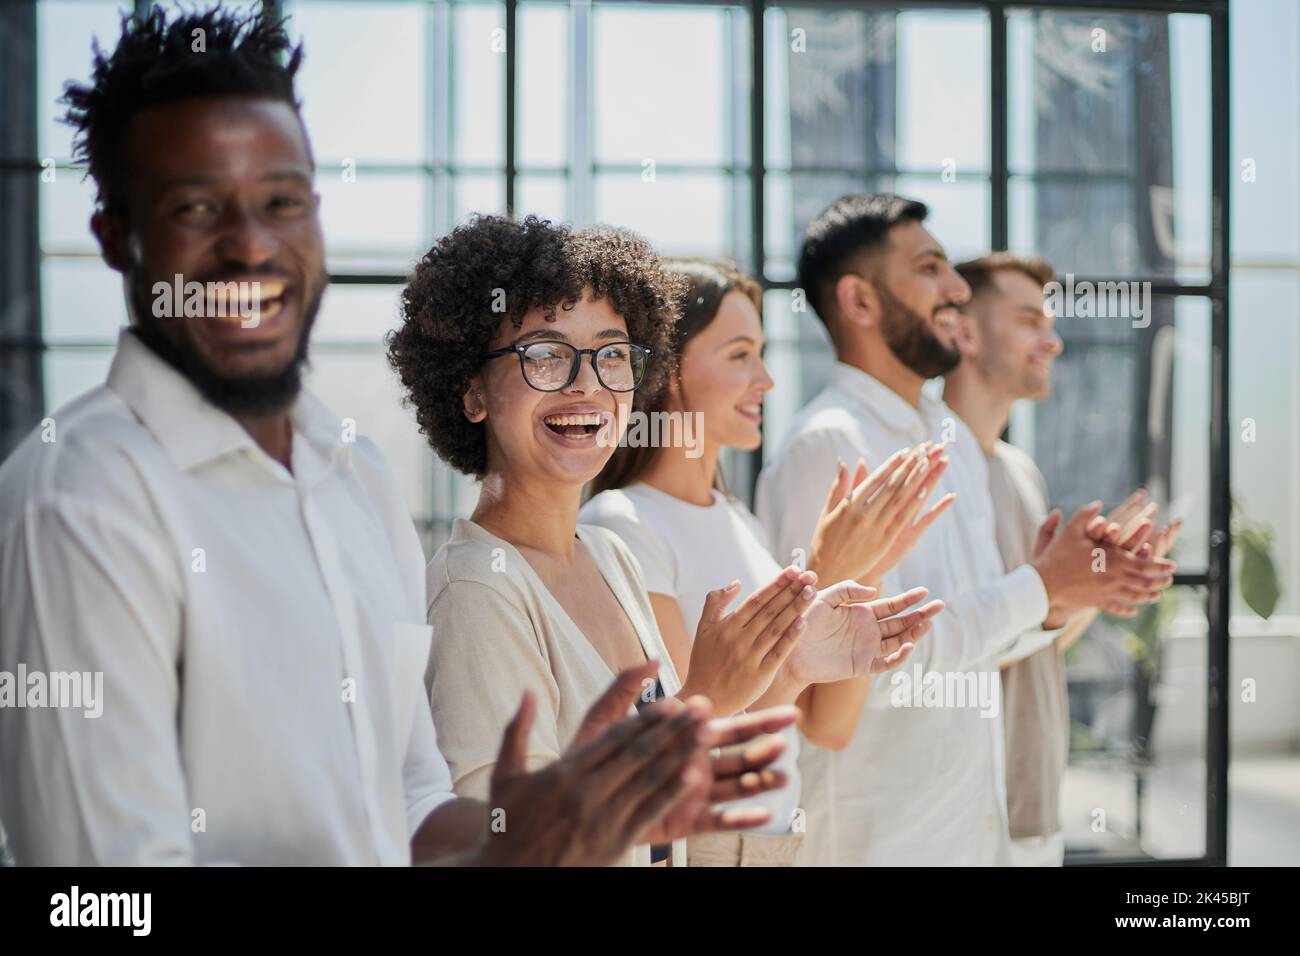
234 273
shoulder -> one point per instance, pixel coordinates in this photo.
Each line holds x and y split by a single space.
475 562
91 452
1018 461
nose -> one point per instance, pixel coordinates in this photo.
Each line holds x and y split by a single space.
763 380
1055 345
244 239
585 382
955 288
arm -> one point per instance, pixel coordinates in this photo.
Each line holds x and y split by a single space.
672 627
88 588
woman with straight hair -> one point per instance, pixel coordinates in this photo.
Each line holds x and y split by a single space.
671 506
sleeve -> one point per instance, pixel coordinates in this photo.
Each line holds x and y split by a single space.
86 590
485 654
658 564
792 490
981 627
426 778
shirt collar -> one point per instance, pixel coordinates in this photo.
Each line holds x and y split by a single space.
890 407
191 429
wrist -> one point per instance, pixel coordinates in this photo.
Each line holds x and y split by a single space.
784 689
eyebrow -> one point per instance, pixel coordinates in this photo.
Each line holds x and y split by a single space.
278 176
739 338
557 335
935 251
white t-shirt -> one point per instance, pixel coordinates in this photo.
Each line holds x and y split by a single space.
685 551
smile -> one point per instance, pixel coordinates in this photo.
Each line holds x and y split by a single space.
574 426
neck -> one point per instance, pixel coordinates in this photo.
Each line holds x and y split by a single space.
530 514
984 409
690 479
878 360
273 434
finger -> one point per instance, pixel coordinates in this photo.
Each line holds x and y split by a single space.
896 626
865 491
1129 527
784 631
1080 519
748 784
1138 536
1131 506
1047 530
715 603
927 519
613 705
656 750
769 623
738 760
611 742
649 798
882 664
737 818
512 758
1168 538
726 731
888 607
781 588
860 473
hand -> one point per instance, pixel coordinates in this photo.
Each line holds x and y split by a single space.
729 776
588 807
735 656
845 633
1067 560
858 534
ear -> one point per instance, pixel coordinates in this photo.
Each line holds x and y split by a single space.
111 235
856 300
472 401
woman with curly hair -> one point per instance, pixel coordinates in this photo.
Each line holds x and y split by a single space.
520 341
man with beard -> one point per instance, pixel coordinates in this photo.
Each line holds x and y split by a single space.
203 540
1008 342
922 779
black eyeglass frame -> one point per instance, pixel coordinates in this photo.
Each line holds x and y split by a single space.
520 349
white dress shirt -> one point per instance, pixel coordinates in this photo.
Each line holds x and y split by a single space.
920 785
260 633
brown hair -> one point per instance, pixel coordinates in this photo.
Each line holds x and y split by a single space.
979 273
708 282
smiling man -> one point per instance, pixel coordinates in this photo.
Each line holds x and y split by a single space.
918 785
205 534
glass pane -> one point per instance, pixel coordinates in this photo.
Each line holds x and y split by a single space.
959 212
796 199
1110 141
798 358
471 194
478 62
545 196
66 206
1135 784
545 67
81 301
1129 407
672 109
64 34
836 71
1265 139
943 91
682 214
379 220
1265 428
357 314
361 386
364 80
73 372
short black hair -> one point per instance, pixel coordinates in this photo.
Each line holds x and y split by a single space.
449 319
852 224
156 61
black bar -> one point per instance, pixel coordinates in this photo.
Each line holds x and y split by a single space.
1000 148
1219 600
512 18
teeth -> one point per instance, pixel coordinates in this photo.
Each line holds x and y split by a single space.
591 419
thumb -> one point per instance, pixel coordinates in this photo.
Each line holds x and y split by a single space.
511 759
715 603
848 592
1047 530
839 486
613 705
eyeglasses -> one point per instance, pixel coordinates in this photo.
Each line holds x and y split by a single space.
552 366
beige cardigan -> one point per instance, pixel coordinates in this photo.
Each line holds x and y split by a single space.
497 630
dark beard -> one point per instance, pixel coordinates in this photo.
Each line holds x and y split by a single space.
253 396
912 340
